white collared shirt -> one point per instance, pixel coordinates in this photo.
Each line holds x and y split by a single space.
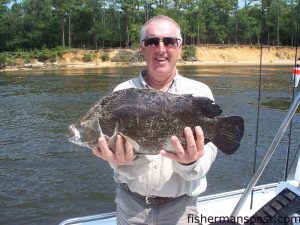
155 175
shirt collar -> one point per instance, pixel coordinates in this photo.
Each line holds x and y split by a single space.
173 87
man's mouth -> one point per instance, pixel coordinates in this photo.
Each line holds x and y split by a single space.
161 59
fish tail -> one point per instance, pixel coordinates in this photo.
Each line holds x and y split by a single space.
229 132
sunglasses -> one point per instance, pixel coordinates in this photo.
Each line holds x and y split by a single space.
168 41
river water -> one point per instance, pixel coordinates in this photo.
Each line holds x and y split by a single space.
44 179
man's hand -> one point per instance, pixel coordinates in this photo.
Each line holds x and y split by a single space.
122 156
194 148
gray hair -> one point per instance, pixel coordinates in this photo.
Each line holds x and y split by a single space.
160 18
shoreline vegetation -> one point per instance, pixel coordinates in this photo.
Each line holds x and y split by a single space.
60 58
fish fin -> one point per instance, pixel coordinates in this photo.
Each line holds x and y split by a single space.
229 132
207 107
100 129
134 144
113 139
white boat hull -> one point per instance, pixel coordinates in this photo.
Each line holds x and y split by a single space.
212 207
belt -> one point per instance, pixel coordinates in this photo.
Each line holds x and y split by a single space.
152 200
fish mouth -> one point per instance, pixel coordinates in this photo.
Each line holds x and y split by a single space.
75 137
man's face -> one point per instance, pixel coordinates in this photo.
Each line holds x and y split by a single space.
161 60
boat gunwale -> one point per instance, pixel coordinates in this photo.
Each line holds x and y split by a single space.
112 215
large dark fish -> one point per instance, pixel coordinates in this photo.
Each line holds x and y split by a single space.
148 118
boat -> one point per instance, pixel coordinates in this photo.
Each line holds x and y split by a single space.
274 203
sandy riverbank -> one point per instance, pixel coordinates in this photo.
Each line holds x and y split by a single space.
206 55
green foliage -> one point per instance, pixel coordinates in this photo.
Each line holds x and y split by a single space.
26 60
92 24
8 60
105 57
46 55
2 60
87 57
11 61
189 53
60 50
134 34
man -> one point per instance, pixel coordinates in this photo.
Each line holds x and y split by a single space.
161 189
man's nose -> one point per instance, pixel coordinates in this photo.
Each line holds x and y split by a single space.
161 46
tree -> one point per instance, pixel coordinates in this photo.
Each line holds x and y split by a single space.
4 23
37 23
30 24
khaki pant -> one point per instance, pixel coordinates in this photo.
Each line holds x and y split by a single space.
131 210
